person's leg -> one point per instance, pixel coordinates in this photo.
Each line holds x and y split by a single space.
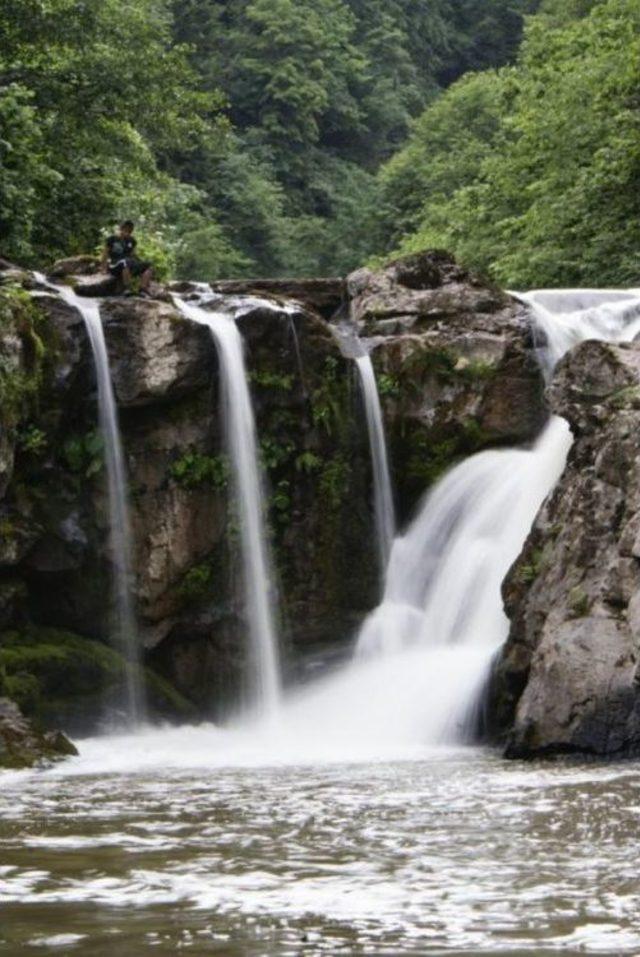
145 279
126 277
116 273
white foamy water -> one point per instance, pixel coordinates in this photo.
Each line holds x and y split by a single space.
442 600
242 443
383 494
124 634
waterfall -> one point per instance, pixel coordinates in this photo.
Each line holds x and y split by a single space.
563 318
423 656
296 347
124 634
240 431
383 495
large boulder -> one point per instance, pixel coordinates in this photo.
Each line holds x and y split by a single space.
83 265
455 361
85 274
567 678
62 680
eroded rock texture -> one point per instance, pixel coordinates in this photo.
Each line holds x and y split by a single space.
567 679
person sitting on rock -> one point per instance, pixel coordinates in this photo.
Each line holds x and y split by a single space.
120 261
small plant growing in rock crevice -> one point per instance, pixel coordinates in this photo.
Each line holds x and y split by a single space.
196 585
528 573
32 440
84 455
273 454
578 602
334 481
308 463
281 502
194 470
388 385
474 370
325 400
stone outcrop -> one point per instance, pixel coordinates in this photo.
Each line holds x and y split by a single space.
74 266
567 679
155 354
455 364
55 557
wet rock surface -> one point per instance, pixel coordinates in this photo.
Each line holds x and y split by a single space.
567 679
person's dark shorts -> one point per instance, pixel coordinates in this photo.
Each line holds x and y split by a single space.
136 267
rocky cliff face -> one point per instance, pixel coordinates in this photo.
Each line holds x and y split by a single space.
456 373
567 679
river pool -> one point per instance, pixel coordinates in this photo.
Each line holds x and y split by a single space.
190 840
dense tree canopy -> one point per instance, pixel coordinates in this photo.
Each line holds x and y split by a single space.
94 98
545 187
244 135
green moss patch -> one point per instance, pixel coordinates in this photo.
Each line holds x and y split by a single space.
63 679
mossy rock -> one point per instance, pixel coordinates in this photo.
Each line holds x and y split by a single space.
23 745
64 680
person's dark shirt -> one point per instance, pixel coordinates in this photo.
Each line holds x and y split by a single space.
120 247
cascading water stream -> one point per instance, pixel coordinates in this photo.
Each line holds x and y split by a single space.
383 494
296 347
442 611
422 656
124 633
242 444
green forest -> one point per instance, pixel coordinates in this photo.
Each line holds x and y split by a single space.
299 137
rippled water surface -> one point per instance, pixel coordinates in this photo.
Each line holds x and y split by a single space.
445 852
